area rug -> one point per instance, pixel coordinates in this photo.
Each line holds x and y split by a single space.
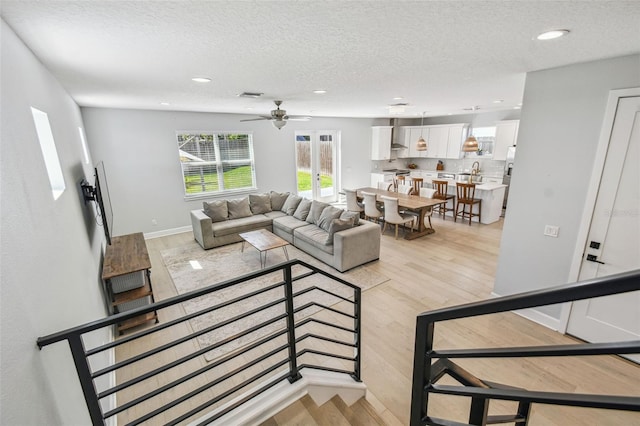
228 262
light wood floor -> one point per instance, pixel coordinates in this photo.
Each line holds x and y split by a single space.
455 265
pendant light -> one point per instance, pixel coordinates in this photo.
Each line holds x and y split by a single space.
470 145
421 145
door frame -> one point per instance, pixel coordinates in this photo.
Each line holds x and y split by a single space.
316 191
592 192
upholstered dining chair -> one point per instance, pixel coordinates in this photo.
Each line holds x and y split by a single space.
428 193
385 186
371 210
442 193
353 205
466 196
405 189
393 216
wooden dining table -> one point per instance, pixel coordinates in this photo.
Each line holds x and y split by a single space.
420 205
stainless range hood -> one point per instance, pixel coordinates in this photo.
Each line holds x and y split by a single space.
395 144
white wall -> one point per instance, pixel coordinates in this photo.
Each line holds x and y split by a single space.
559 130
140 154
50 249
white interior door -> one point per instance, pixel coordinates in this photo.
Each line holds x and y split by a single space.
614 236
317 164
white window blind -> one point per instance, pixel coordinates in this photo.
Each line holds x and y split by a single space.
216 162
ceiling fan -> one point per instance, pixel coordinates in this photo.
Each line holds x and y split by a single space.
279 116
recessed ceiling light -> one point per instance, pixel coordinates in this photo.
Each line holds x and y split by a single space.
165 103
201 79
517 107
550 35
320 92
399 98
498 101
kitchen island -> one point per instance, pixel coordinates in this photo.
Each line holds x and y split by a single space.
492 196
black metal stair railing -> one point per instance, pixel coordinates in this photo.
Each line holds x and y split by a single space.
297 333
430 365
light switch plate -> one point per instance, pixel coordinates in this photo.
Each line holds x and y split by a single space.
551 231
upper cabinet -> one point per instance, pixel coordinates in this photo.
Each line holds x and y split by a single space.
381 142
411 136
457 135
506 136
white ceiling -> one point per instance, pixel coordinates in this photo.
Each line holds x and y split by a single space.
439 56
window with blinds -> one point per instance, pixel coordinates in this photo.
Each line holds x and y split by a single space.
216 162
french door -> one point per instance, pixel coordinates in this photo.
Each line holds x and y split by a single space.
613 243
317 156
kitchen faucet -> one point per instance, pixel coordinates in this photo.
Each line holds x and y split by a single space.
475 168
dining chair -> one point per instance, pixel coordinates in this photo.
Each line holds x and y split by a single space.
428 193
416 184
371 210
393 216
466 196
385 186
353 205
404 189
397 181
442 193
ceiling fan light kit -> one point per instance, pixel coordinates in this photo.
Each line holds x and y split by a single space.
279 124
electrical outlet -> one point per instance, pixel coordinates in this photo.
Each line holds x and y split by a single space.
551 231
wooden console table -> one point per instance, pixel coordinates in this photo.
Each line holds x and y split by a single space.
126 271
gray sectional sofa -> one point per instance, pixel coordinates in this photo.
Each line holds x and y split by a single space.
331 235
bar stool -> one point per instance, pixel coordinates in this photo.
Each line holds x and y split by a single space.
466 193
442 189
417 185
398 180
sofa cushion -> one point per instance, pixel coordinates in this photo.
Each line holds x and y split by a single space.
316 210
216 210
274 214
239 208
346 215
326 217
314 236
289 206
260 203
338 225
303 209
278 199
236 226
288 223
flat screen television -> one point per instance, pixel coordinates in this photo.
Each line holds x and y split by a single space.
99 193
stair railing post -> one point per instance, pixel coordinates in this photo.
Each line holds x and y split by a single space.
294 374
357 326
86 382
421 370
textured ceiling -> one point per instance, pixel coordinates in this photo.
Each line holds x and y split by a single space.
440 56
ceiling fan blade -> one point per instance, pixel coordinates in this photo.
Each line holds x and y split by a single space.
264 117
299 118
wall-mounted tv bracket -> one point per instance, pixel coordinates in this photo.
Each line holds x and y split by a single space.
88 191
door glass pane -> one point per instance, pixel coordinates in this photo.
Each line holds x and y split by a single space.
303 165
327 170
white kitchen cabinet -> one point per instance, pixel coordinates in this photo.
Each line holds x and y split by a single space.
457 135
437 142
506 136
486 179
381 142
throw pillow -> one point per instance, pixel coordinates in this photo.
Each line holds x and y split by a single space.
337 225
239 208
316 211
303 209
346 215
260 203
326 217
278 199
216 210
291 204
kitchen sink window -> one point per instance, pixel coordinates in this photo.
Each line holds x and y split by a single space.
486 137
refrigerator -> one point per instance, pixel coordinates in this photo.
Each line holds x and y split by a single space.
508 168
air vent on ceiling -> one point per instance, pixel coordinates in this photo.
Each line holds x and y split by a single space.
250 94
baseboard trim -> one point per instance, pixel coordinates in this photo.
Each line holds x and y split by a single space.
166 232
320 385
537 316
